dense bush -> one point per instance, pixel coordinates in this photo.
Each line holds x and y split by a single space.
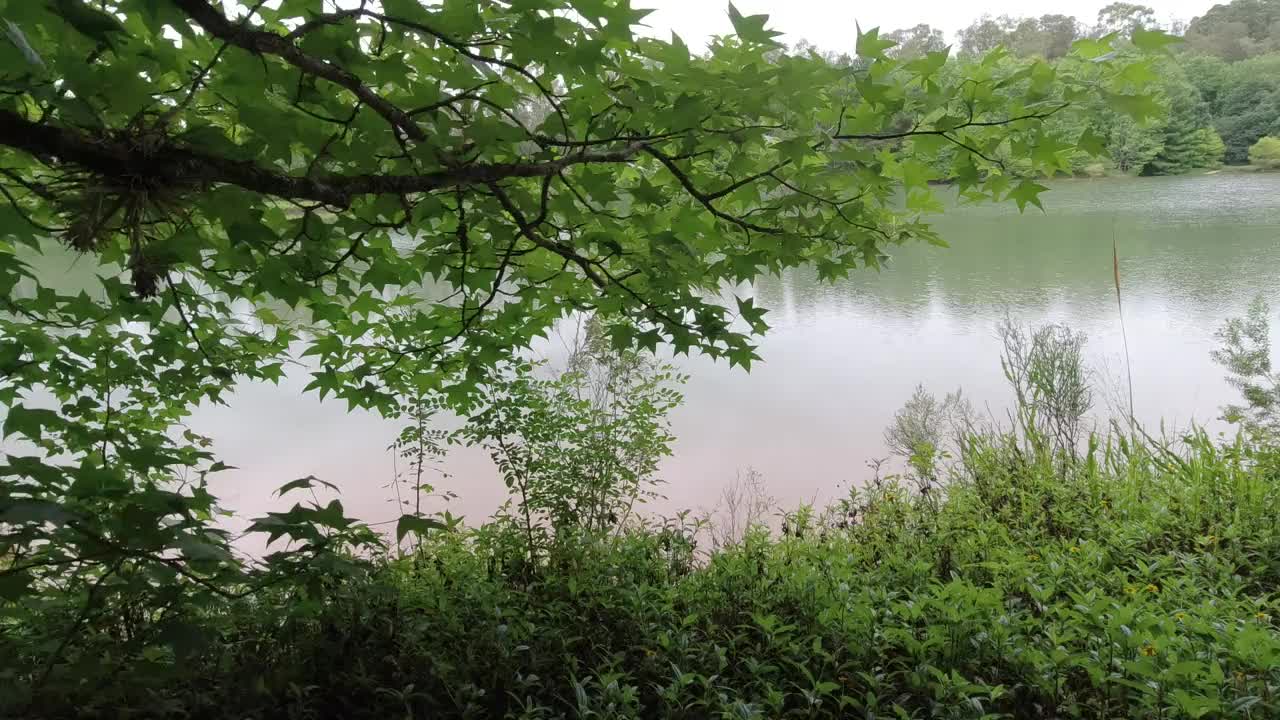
1266 153
1042 571
1135 582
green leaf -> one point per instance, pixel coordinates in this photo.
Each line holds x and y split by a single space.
10 356
1026 193
871 45
103 28
752 314
416 524
30 422
19 40
33 511
752 27
1140 107
187 639
1153 40
194 548
1092 143
307 482
1093 48
13 585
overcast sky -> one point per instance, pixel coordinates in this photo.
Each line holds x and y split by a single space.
829 24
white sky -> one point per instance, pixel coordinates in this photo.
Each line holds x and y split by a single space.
829 24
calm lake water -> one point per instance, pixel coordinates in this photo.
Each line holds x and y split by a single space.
842 358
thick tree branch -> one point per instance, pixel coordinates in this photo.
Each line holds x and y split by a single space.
261 42
183 167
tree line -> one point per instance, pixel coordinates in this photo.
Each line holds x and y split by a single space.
1219 88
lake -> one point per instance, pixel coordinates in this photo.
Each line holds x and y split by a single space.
842 358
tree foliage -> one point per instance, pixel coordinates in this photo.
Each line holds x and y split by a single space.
1230 57
1124 18
580 451
1048 36
916 42
1244 351
1237 30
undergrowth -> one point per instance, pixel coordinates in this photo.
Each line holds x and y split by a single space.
1133 582
1034 571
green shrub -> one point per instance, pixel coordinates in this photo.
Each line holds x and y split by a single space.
1039 572
1137 582
1245 353
1266 153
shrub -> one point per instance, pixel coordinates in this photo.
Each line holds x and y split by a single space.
1266 153
1245 353
1051 385
1137 582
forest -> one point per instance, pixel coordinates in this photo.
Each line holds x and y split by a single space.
1220 86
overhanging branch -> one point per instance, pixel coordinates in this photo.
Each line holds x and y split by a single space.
261 42
914 132
115 156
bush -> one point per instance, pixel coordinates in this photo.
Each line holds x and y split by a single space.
1137 582
1245 353
1038 573
1051 386
1266 153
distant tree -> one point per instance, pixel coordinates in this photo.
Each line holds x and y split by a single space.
1237 30
1182 146
1266 153
985 34
806 47
1209 148
1130 144
1209 75
1249 110
916 42
1059 32
1124 18
1048 36
1227 40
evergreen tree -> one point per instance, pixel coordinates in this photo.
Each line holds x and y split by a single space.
1209 148
1181 146
1130 144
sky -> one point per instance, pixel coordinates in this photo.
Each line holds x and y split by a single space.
829 24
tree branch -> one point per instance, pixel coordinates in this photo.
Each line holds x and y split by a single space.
707 200
183 166
943 133
261 42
